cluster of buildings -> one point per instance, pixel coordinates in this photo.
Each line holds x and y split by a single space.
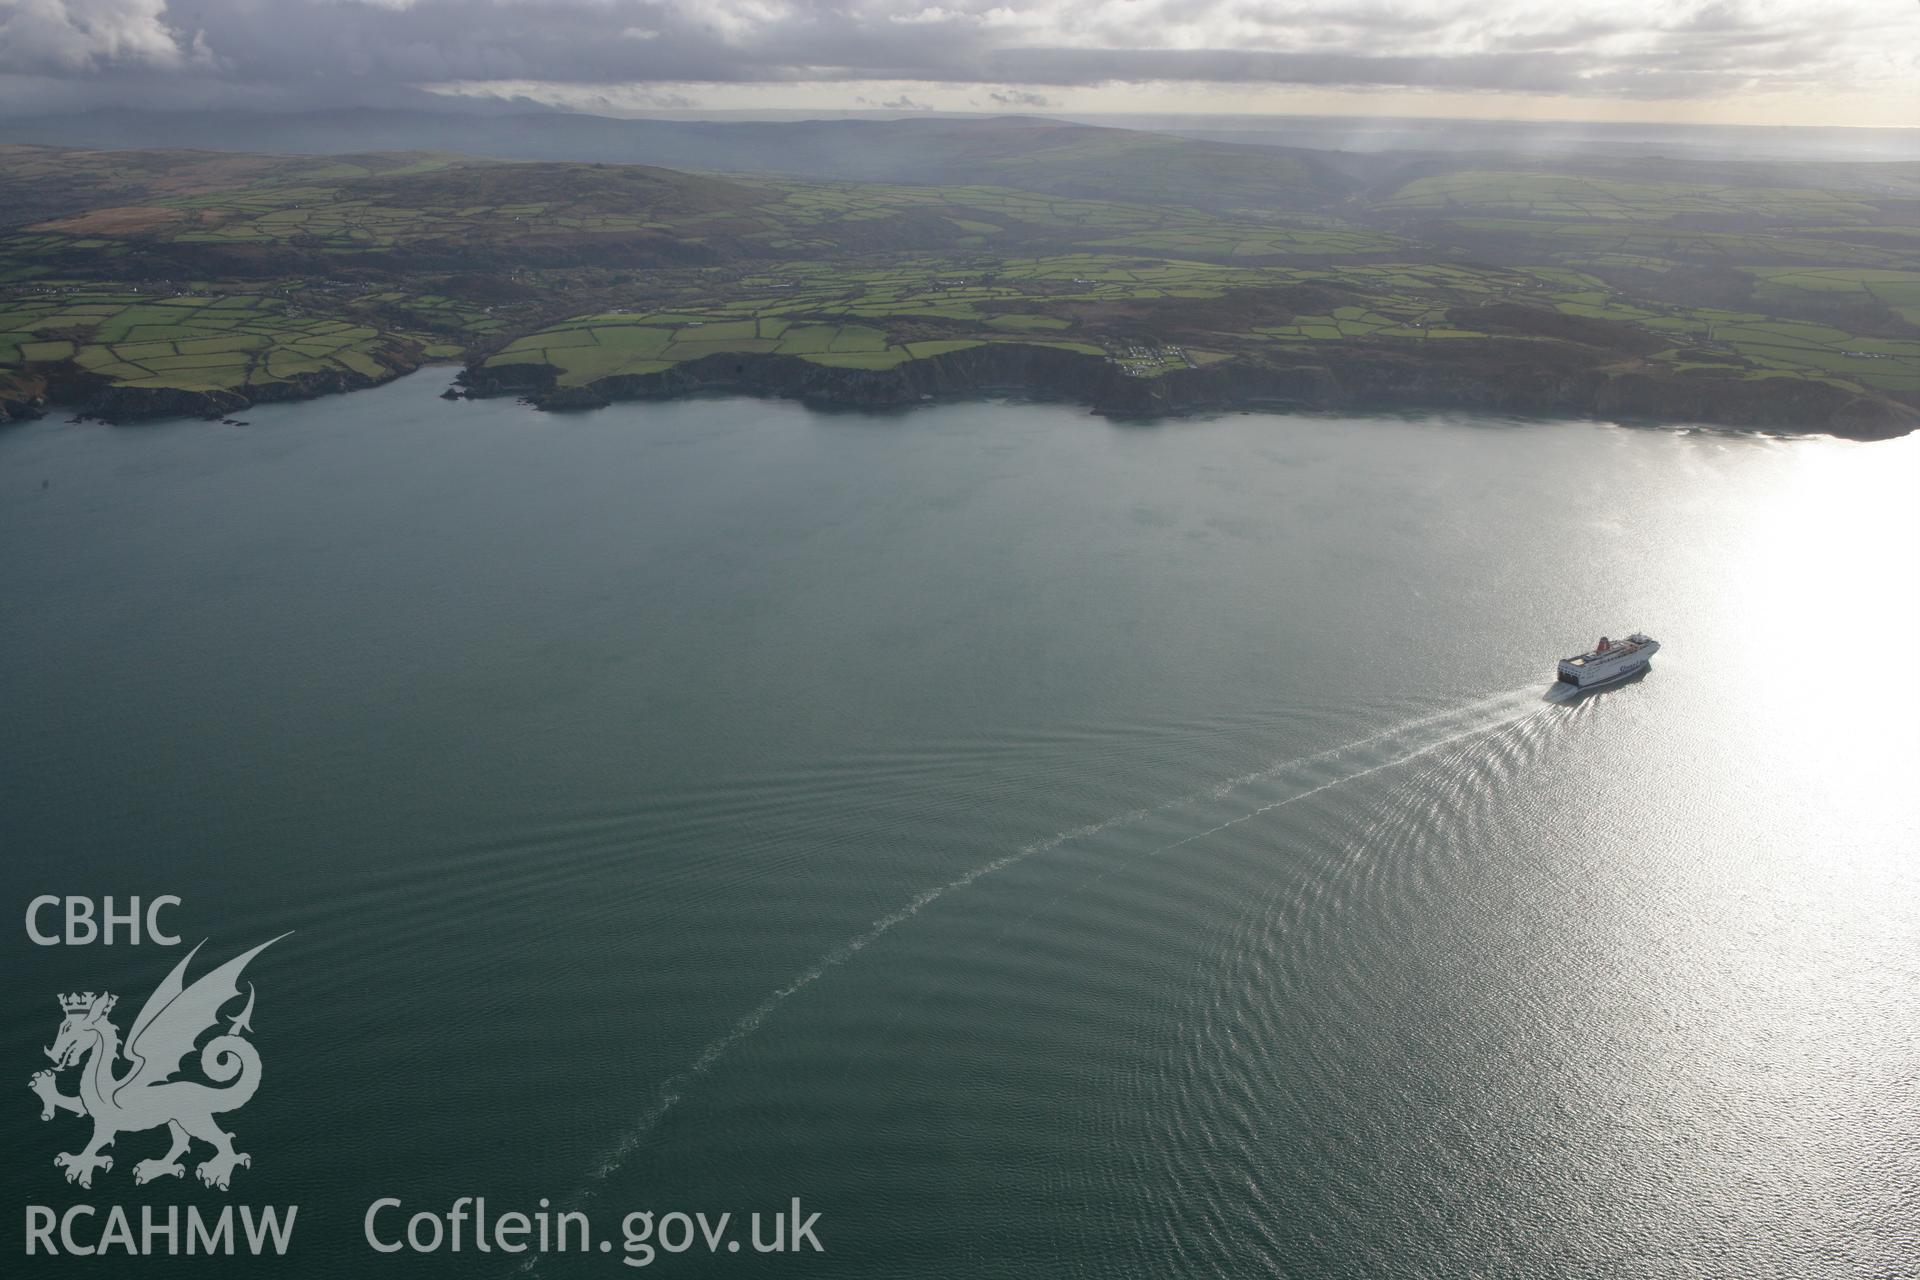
1143 361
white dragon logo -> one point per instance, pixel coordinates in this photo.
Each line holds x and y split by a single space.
146 1096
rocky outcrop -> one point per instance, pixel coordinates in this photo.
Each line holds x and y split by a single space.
96 397
21 399
1497 376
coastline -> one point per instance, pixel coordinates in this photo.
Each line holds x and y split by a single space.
1362 382
1351 380
90 399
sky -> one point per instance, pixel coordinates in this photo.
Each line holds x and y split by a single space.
1844 62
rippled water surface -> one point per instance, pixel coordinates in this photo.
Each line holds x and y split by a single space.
1044 846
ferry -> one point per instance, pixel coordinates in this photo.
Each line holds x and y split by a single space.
1609 661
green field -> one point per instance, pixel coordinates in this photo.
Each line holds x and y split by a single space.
193 342
281 268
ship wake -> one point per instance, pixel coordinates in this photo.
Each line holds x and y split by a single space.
1258 792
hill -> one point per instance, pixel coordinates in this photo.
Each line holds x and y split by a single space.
1036 155
200 281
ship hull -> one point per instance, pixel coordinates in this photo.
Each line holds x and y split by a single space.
1600 675
1598 681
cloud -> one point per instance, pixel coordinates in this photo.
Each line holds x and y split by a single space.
89 36
1021 98
901 103
1020 54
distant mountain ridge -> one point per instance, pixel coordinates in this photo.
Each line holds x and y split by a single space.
1082 161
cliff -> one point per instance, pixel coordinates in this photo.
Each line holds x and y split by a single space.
73 388
1508 377
1504 376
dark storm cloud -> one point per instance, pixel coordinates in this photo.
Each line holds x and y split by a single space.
363 50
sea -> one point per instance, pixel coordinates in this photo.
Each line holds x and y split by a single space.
1037 844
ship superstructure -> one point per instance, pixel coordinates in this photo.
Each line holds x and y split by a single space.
1608 661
